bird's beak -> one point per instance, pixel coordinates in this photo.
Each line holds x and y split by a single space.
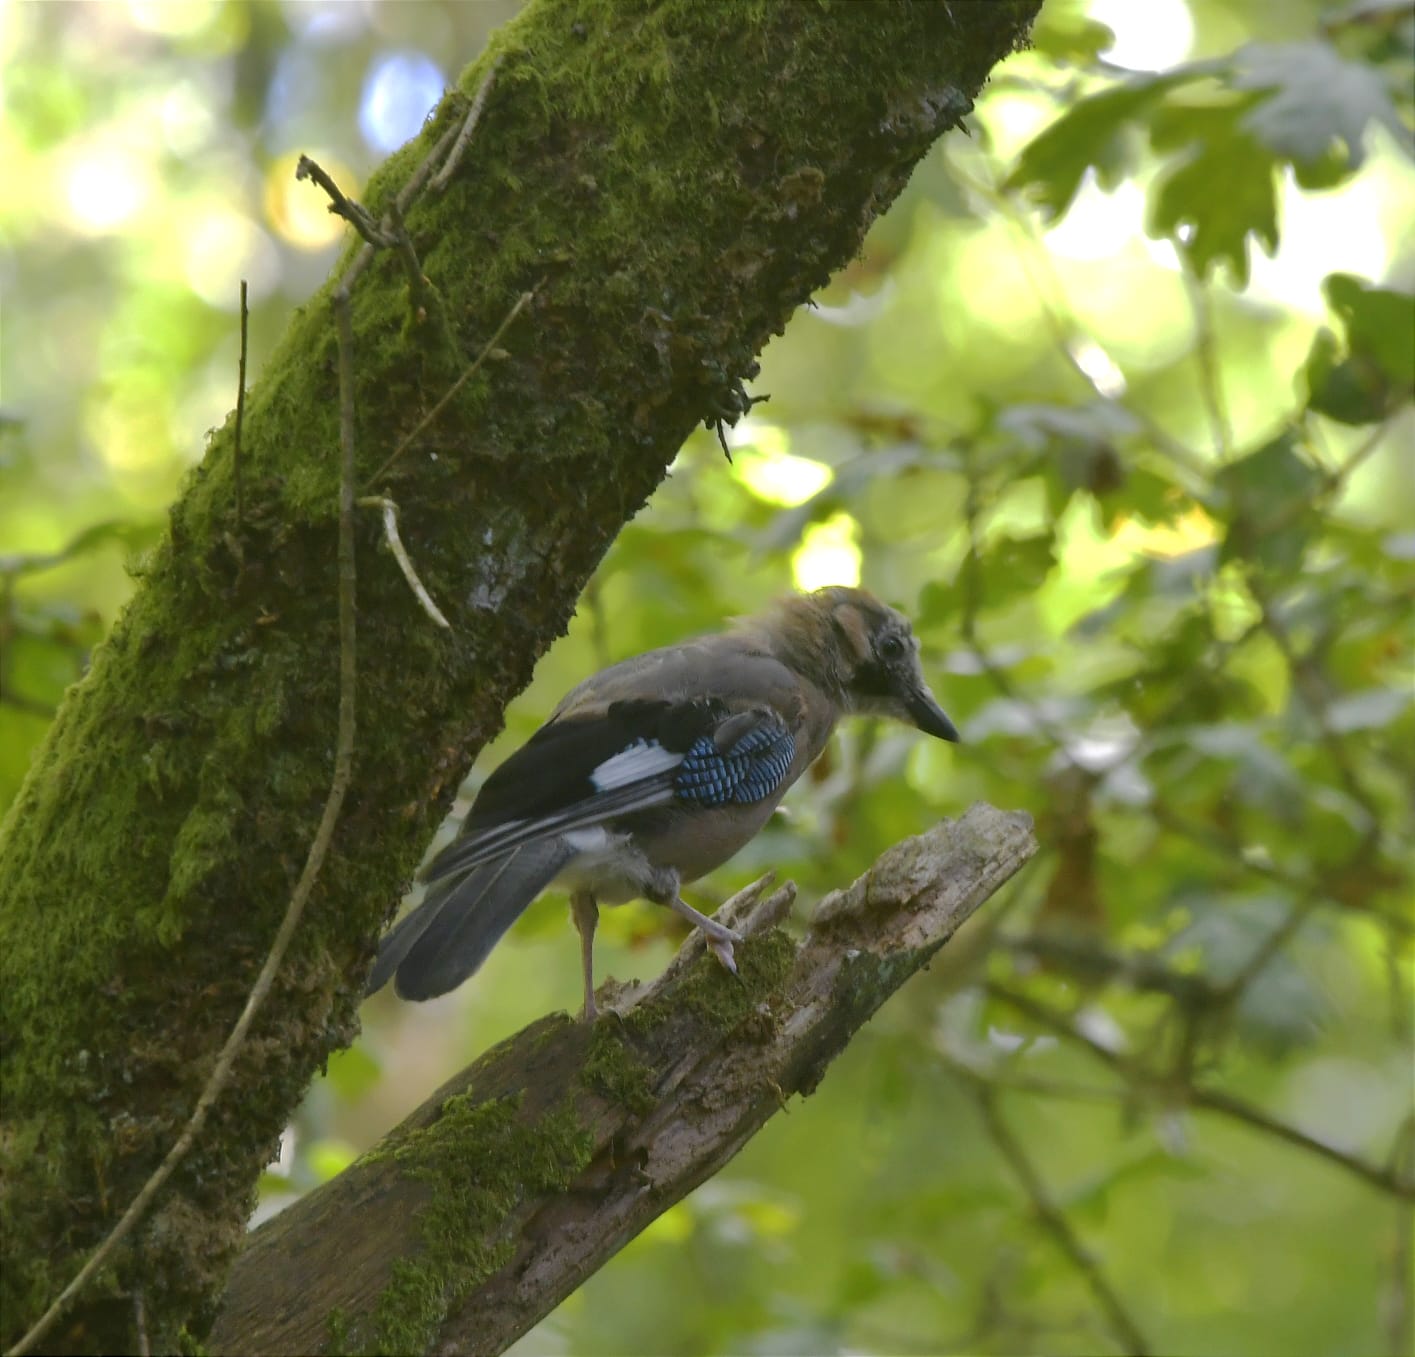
925 713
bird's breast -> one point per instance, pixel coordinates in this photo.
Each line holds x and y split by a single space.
607 864
617 865
695 842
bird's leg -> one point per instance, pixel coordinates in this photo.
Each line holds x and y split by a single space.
586 915
662 889
717 936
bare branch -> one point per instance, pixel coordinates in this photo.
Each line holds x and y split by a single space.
355 214
240 411
473 368
400 554
464 137
1054 1221
577 1136
1206 355
1387 1179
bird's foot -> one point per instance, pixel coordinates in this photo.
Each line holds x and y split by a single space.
721 948
592 1012
713 931
718 937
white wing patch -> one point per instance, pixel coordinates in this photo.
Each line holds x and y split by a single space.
594 839
641 760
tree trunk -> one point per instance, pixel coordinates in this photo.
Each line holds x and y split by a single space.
671 180
529 1170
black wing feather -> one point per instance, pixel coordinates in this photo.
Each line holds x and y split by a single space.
555 767
547 786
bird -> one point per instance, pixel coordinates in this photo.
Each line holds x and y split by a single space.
652 773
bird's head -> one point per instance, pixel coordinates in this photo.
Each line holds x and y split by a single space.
864 651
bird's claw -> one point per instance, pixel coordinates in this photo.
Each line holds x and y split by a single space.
722 949
716 932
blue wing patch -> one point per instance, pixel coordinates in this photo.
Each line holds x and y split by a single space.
748 770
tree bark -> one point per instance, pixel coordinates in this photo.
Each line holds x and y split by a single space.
671 180
529 1170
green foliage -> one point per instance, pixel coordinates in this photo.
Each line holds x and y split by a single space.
1222 130
1153 523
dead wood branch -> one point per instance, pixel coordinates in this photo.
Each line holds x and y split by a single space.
557 1147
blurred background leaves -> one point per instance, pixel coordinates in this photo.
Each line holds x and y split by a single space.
1116 402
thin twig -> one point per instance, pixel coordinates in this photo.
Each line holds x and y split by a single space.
1335 481
1232 851
1311 691
1206 354
419 178
384 236
1092 961
314 861
402 203
418 285
1038 1087
391 234
140 1325
440 179
1270 946
356 215
240 414
1387 1179
31 706
400 554
456 386
1401 1306
1054 1221
1195 1095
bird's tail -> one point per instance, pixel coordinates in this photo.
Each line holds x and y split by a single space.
437 946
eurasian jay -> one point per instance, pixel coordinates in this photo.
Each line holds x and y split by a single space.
654 772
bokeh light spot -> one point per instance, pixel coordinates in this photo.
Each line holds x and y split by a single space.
188 122
829 554
222 248
1191 531
173 18
105 187
298 210
131 432
399 92
1148 37
774 475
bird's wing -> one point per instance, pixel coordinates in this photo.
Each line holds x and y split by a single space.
598 763
727 667
437 946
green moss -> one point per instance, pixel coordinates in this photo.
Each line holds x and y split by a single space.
412 1305
480 1161
154 845
712 992
189 1345
337 1331
612 1070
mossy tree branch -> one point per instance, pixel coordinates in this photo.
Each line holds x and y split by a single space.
530 1169
671 181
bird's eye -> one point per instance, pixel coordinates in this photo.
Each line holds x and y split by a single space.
891 648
